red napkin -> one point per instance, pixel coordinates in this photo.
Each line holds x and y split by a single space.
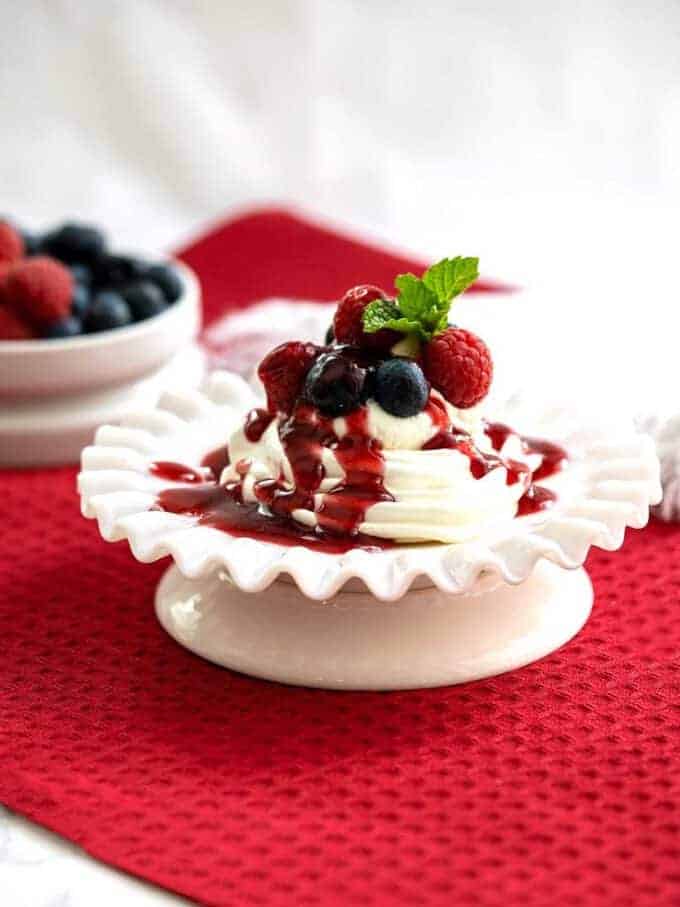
555 784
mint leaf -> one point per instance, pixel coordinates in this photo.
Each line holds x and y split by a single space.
378 313
415 299
422 308
407 326
386 314
449 277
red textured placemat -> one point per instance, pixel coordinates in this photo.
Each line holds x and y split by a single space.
556 784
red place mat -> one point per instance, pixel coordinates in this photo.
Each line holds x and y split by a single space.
555 784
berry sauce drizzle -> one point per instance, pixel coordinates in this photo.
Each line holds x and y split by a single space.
481 463
553 459
304 436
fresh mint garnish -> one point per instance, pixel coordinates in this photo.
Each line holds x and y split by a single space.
422 305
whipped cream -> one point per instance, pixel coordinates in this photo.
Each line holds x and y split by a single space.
411 493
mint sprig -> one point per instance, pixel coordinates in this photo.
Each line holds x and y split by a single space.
421 308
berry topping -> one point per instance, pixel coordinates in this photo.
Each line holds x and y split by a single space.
458 363
75 242
421 309
108 310
168 281
48 277
11 243
12 327
401 388
81 300
348 324
67 327
283 373
145 299
114 271
32 243
82 274
39 290
329 339
334 384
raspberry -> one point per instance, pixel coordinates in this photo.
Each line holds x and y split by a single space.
11 327
39 290
348 324
283 372
11 243
458 363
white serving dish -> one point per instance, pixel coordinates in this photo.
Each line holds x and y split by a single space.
410 616
54 393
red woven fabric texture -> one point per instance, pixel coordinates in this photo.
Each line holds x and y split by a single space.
555 784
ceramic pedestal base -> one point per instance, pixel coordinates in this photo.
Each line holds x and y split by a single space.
354 642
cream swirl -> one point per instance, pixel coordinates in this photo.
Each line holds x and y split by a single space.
381 475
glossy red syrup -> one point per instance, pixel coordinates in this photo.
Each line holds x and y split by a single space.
553 459
216 461
361 459
535 499
257 423
554 456
304 436
480 463
177 472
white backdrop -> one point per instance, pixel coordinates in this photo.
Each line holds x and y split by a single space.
543 136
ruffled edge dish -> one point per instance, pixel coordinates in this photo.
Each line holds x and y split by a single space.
610 482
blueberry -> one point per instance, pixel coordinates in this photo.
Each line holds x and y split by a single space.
368 390
32 242
75 242
81 299
401 388
108 310
145 299
167 279
330 336
334 384
82 274
67 327
118 270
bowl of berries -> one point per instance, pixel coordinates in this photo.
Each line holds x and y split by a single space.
84 334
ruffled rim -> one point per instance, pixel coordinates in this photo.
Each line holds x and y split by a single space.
609 484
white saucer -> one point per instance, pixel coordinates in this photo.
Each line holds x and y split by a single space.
53 430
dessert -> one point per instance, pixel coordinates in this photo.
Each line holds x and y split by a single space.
375 438
67 283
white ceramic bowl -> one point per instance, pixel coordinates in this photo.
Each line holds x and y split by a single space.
47 368
54 393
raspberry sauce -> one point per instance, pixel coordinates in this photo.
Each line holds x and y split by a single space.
340 511
257 423
481 463
216 461
553 459
303 437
